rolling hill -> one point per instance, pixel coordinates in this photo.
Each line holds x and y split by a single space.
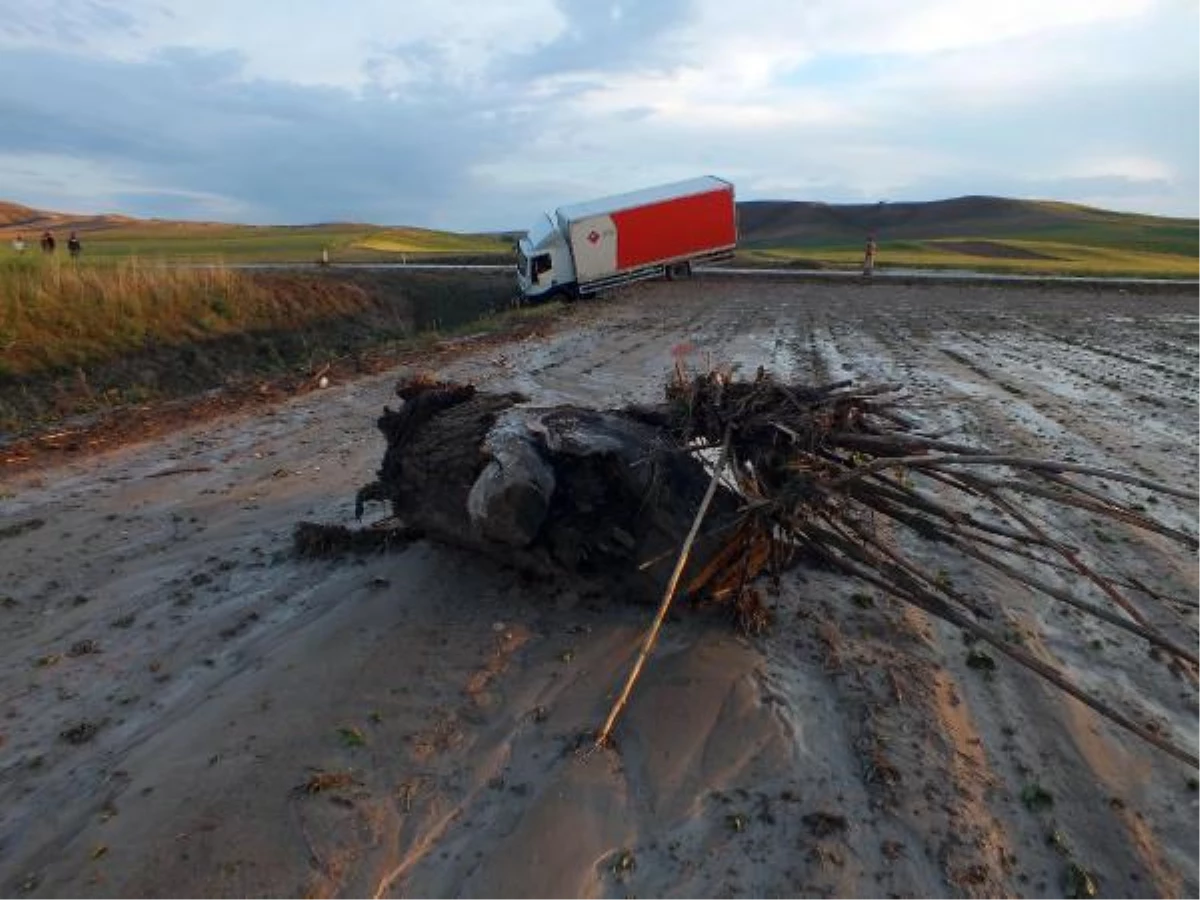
977 232
984 233
766 224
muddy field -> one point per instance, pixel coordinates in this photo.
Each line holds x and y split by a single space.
188 709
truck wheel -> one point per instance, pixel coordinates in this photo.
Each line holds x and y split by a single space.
679 271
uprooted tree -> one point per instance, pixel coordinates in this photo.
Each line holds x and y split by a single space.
729 481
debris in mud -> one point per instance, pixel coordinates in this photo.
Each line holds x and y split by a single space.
1036 797
822 824
977 659
246 621
320 541
29 883
726 483
18 528
1079 882
79 733
321 781
623 864
83 648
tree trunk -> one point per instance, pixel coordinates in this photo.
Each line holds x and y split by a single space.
603 496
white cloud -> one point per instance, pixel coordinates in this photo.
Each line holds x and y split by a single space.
60 181
474 114
1130 168
308 42
780 34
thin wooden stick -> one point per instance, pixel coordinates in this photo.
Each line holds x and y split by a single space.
1107 507
1019 462
668 596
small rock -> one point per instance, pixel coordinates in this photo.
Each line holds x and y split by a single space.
79 733
83 648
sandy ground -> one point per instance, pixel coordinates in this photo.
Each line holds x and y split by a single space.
173 678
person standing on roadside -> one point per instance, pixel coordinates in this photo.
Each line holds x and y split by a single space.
869 255
47 242
18 245
73 246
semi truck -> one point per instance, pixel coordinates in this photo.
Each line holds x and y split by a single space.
656 232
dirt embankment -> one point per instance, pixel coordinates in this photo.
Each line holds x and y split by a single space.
190 709
388 309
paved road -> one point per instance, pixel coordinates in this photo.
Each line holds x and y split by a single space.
881 275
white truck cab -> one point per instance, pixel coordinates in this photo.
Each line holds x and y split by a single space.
544 264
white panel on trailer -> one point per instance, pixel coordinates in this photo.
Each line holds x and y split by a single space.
594 243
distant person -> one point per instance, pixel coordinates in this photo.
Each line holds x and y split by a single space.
869 255
47 242
73 246
18 244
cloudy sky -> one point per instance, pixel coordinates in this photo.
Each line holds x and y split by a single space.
476 114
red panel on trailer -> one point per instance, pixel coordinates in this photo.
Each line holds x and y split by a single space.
675 228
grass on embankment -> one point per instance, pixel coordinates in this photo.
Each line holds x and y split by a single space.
79 338
56 314
1007 256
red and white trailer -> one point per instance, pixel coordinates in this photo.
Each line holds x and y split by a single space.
652 233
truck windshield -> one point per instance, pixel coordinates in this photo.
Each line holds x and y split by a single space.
540 233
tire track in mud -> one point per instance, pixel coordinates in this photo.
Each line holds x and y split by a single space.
1059 419
906 742
1034 624
1044 417
1141 370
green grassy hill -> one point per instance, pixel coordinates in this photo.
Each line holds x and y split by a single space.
986 233
121 237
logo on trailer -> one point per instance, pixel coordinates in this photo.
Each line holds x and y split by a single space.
593 236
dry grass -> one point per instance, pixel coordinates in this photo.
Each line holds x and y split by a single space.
55 314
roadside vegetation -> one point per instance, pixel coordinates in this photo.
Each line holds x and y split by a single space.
56 314
1023 257
84 337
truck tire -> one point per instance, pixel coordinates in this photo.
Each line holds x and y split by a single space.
679 271
564 294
